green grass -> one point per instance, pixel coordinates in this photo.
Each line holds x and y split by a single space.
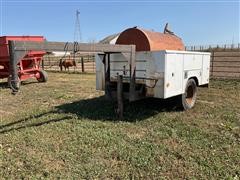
66 129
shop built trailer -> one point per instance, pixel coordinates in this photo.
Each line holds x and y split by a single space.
141 64
161 69
160 74
28 66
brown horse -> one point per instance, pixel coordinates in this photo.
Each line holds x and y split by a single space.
67 63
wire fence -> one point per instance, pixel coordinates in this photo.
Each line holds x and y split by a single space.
216 47
84 63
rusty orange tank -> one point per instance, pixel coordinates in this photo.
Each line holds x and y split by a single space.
146 40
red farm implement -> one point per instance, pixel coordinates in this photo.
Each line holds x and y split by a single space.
28 66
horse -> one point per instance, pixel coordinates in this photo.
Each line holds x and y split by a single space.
66 64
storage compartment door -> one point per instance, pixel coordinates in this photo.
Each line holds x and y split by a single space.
173 75
205 69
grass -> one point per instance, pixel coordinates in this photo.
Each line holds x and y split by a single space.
66 129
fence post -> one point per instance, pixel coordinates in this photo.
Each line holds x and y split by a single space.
82 63
212 62
43 63
49 63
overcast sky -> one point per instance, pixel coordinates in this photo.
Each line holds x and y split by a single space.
196 22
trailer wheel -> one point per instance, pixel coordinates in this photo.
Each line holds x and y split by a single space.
43 76
188 99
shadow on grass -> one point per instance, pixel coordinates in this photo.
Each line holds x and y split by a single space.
26 122
101 109
4 85
96 109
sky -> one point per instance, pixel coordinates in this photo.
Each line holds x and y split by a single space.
199 22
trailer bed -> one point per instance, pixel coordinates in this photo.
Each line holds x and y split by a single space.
163 73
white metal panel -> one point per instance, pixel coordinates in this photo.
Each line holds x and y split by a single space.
192 61
156 70
158 59
173 84
100 74
190 74
139 74
119 65
186 52
205 69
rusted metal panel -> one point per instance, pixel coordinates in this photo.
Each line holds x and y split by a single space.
149 40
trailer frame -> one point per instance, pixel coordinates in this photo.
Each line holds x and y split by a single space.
17 49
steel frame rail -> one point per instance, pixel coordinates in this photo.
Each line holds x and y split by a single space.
17 49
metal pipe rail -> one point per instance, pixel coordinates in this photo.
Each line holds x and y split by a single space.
17 50
83 47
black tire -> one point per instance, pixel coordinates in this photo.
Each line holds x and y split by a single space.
43 76
188 99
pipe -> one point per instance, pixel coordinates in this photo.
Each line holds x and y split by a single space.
13 68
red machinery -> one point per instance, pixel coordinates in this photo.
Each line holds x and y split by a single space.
28 66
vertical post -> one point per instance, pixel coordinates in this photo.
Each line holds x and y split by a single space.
43 63
106 60
93 65
49 63
82 63
212 61
132 74
14 84
120 96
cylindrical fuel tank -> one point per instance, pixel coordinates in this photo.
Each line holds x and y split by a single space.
146 40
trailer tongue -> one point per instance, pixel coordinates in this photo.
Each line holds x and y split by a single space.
17 50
